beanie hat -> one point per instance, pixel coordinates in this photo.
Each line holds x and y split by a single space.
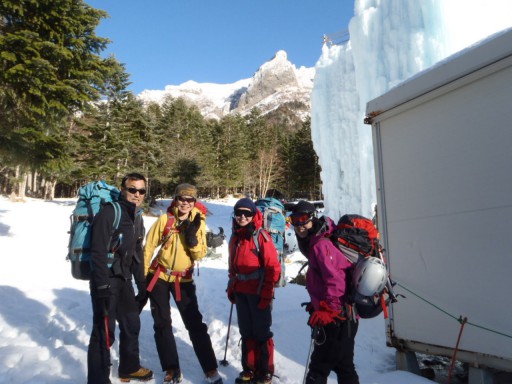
185 190
303 206
246 203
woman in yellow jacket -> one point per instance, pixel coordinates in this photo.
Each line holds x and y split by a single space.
181 233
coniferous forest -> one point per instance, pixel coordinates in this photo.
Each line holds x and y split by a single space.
67 118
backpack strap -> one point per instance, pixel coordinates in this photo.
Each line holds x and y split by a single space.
261 269
267 225
168 230
256 239
115 227
117 215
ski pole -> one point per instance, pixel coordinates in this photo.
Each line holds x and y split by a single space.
313 335
224 362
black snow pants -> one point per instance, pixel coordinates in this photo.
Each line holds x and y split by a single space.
334 351
192 319
124 308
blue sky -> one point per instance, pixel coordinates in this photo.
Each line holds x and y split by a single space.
168 42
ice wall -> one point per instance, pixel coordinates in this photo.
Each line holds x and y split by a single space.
390 40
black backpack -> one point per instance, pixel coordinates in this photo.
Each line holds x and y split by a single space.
214 240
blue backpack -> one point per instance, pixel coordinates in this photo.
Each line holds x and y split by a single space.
274 222
92 198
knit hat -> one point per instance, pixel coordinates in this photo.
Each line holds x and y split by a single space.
246 203
186 190
303 206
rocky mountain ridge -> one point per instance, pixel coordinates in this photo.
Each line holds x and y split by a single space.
277 82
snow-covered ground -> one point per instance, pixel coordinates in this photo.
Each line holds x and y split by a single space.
45 315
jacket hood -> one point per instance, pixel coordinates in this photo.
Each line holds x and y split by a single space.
322 227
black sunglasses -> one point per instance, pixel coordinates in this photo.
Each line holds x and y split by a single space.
133 191
244 212
183 199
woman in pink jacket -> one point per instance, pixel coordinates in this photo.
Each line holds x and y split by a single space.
327 278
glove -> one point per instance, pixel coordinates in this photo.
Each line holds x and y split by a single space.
191 231
102 298
264 303
231 293
142 293
308 307
324 315
267 294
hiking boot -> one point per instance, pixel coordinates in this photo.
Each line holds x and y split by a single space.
213 377
245 377
143 374
265 379
173 376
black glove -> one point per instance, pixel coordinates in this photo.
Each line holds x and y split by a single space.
191 231
142 295
102 298
231 293
308 307
142 292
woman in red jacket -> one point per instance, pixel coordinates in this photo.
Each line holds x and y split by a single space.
254 269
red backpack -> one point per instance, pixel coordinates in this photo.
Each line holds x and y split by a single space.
356 236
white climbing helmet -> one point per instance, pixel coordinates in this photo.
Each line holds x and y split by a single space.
370 276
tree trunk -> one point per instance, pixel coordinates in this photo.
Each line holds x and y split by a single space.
35 185
21 181
28 183
49 190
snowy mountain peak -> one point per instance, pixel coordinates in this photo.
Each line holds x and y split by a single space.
281 55
278 63
274 76
276 82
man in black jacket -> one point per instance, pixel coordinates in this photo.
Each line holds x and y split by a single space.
116 255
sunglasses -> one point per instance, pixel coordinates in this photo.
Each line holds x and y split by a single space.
133 191
183 199
300 219
244 212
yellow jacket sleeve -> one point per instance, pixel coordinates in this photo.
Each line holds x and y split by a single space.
153 240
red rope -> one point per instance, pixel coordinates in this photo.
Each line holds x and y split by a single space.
462 321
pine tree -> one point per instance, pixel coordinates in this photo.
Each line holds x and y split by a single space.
304 170
108 139
49 68
233 154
